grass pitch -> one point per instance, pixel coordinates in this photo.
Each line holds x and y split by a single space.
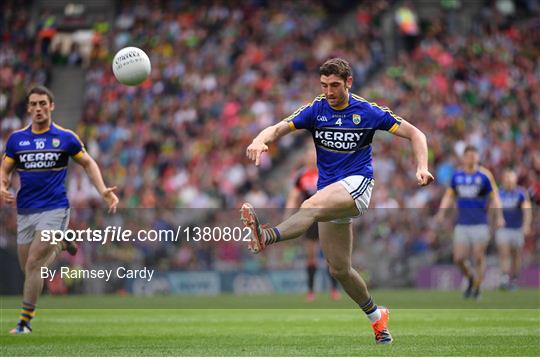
275 325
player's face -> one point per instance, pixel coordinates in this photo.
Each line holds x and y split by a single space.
40 108
509 179
335 89
470 158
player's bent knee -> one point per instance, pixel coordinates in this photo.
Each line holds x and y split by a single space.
313 208
33 264
310 203
35 261
479 257
340 272
479 253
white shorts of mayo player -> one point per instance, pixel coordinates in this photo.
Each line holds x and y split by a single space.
27 225
471 234
512 237
360 189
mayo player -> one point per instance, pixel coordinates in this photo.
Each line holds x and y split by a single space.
40 154
305 186
473 190
342 125
518 219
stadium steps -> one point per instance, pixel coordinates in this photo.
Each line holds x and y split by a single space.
74 15
68 82
463 16
68 88
60 4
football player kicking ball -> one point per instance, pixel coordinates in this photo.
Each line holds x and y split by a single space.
40 154
342 125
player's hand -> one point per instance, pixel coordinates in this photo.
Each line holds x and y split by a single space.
424 177
7 196
499 222
255 150
439 219
111 199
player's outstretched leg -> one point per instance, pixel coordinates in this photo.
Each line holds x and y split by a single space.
332 202
251 221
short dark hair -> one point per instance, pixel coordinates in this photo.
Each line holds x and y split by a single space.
40 90
336 66
470 148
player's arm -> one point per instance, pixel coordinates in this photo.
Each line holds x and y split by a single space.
6 169
495 204
526 206
294 200
448 202
265 137
494 199
300 119
93 172
420 150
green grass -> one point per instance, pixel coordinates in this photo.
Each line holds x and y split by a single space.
311 330
402 298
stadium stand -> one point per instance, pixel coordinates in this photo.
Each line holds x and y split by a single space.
222 73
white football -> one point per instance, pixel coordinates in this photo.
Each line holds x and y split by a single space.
131 66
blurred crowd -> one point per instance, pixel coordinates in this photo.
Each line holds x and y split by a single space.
20 65
479 89
221 73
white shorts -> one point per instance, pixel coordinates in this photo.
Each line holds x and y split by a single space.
512 237
360 189
27 225
471 234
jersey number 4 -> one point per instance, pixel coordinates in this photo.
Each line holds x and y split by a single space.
338 122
